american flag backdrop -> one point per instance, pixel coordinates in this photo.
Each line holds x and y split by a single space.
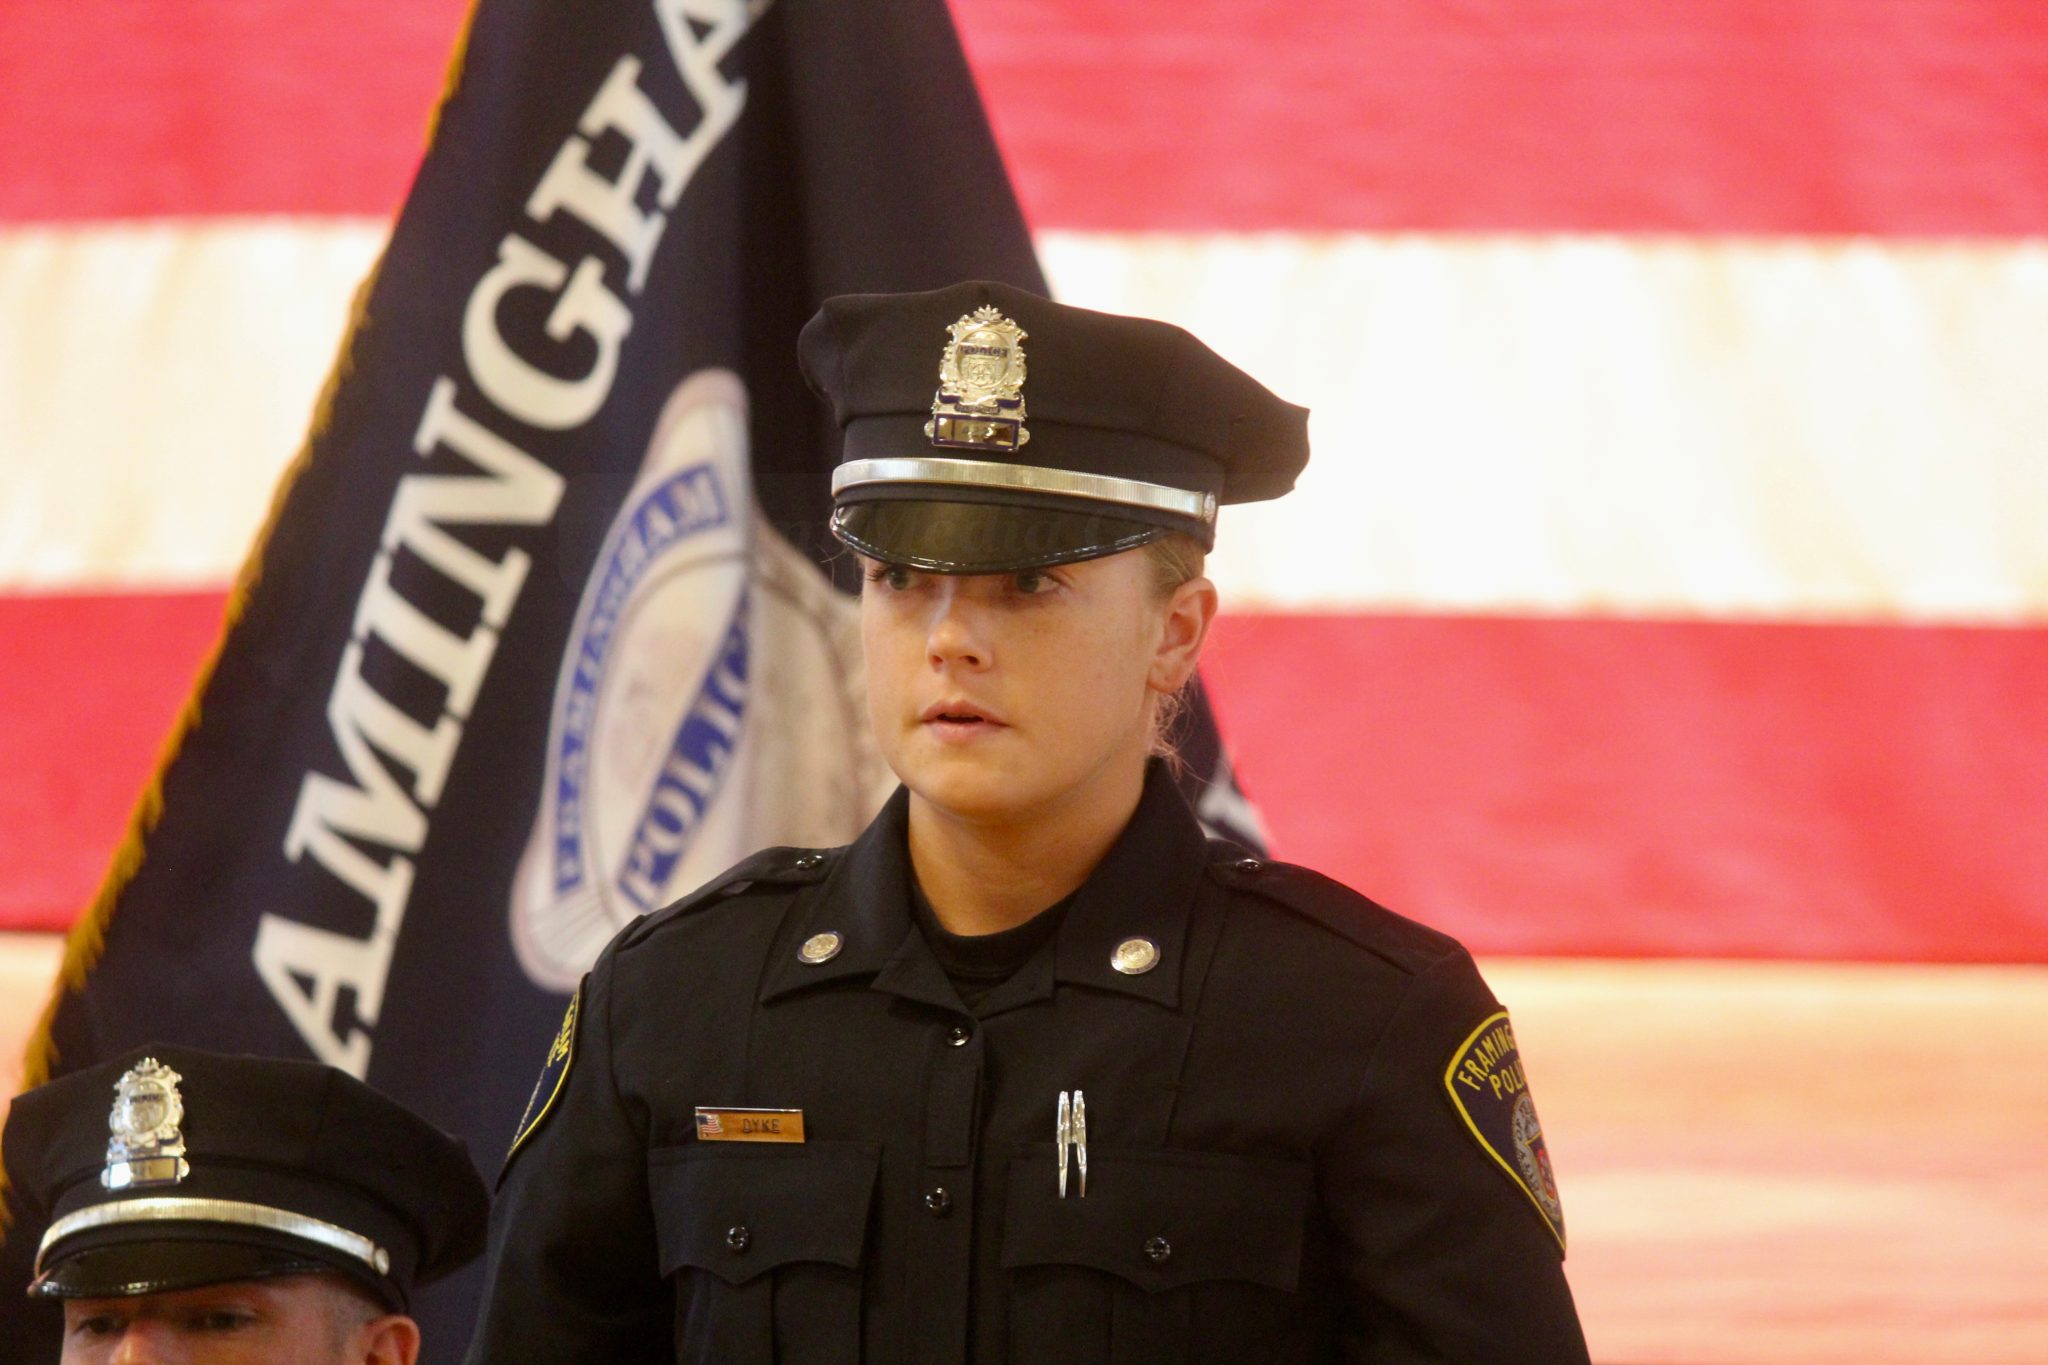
1670 580
1671 576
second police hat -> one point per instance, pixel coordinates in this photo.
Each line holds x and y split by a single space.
988 429
172 1168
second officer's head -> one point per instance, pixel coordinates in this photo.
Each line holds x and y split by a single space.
196 1207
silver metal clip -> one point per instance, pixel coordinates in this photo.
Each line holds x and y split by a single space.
1065 1137
1081 1140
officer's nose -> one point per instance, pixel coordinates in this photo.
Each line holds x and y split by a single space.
957 634
144 1342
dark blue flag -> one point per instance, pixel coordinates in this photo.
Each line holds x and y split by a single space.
547 627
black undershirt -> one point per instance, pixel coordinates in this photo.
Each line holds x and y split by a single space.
978 963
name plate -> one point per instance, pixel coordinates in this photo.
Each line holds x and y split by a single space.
750 1125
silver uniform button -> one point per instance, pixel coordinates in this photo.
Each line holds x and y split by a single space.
821 948
1135 956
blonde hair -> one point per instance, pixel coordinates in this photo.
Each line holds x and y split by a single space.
1176 558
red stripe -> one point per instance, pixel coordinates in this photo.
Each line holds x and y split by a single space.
1554 786
1727 116
155 108
1730 116
89 690
1625 787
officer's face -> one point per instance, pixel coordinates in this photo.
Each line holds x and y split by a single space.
1005 697
298 1318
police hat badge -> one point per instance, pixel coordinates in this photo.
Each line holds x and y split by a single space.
1137 430
980 402
146 1145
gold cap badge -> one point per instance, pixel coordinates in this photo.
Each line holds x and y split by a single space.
980 402
146 1146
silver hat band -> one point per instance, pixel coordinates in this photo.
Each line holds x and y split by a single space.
1027 478
172 1209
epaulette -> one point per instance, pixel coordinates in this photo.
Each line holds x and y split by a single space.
769 867
1407 944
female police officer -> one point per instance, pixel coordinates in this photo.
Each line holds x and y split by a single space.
1032 1071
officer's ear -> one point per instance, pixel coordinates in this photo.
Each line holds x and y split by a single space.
393 1339
1189 610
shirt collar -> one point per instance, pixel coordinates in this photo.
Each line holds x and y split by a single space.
1141 889
865 900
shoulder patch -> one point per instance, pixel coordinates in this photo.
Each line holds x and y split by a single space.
1491 1092
1407 944
774 866
554 1073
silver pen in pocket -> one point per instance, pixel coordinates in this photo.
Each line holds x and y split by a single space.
1081 1140
1064 1138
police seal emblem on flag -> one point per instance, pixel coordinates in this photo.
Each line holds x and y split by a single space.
1491 1091
652 699
703 707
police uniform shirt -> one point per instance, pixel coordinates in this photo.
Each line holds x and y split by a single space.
978 963
1278 1168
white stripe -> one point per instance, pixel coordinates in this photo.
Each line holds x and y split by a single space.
1785 428
1571 424
155 378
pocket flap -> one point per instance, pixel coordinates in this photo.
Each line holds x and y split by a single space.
1162 1219
738 1209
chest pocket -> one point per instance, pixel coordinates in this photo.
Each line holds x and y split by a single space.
1171 1256
764 1246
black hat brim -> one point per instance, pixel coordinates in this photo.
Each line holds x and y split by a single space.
973 537
124 1269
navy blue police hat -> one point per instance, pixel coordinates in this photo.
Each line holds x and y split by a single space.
171 1168
961 458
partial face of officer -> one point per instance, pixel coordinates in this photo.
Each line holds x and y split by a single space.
1001 697
303 1319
